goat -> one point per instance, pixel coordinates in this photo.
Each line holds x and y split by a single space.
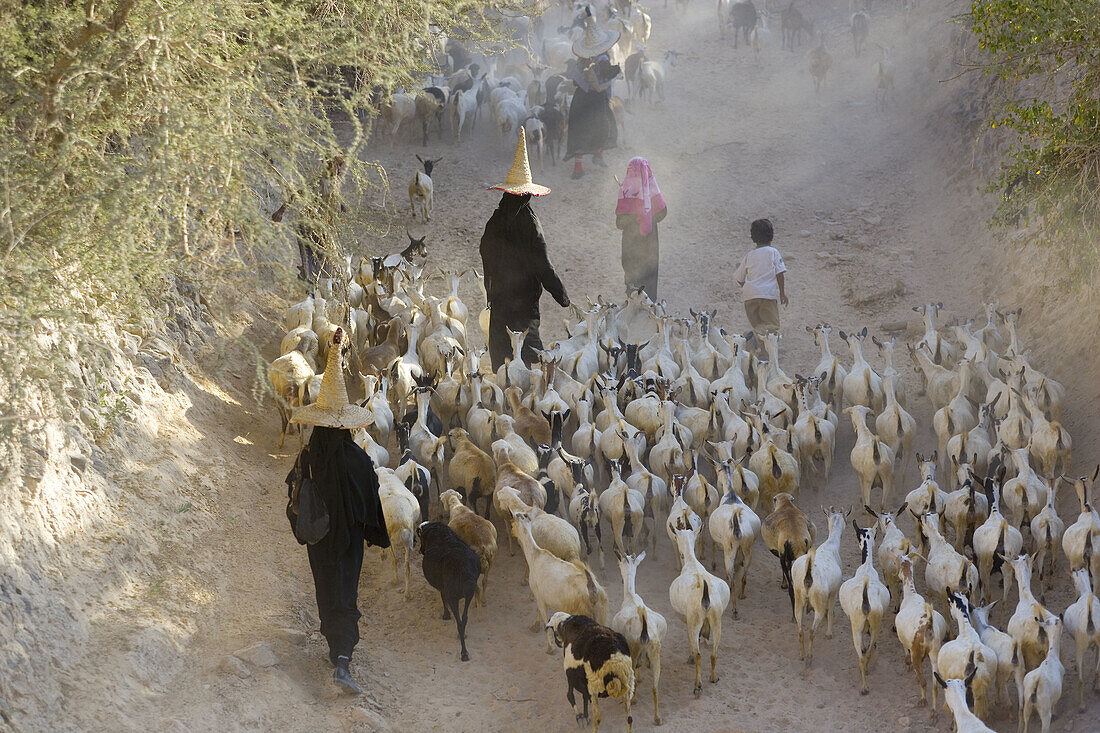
957 693
862 386
1082 620
921 629
816 578
653 74
476 531
792 25
700 599
556 583
872 459
643 627
1043 685
860 23
967 650
584 510
1081 540
788 535
1025 624
884 80
946 570
452 568
742 19
1047 529
734 526
402 513
892 551
421 189
819 61
864 599
597 663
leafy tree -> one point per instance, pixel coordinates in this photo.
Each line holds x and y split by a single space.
1047 49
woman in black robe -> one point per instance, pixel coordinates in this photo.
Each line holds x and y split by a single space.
592 126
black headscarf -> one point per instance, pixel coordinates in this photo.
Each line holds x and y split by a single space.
345 479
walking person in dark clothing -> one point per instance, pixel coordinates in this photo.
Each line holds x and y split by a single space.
592 128
513 257
640 207
334 508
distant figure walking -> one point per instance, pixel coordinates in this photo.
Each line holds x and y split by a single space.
640 207
760 276
592 127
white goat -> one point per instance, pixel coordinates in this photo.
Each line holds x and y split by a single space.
1043 685
700 599
1083 624
643 627
816 578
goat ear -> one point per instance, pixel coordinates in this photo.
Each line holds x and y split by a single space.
863 333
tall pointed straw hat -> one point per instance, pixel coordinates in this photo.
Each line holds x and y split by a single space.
519 180
595 40
332 408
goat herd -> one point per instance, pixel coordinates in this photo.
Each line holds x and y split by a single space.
529 84
639 418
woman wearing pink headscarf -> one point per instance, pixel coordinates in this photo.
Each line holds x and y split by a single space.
640 207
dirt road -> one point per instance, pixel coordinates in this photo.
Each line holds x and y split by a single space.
872 217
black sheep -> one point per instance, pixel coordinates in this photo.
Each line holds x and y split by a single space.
452 568
597 663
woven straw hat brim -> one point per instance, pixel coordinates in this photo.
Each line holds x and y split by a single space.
518 180
595 42
350 417
532 188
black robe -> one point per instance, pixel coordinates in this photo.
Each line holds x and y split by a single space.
513 256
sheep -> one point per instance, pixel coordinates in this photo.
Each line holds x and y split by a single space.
297 316
1043 685
452 568
860 24
967 650
734 527
653 74
956 693
402 513
872 459
815 578
476 531
556 583
921 629
643 627
700 599
819 61
289 376
421 189
597 663
788 534
430 102
1082 620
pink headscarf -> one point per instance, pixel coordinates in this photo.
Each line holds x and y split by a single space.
640 195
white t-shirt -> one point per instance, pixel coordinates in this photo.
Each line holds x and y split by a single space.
757 273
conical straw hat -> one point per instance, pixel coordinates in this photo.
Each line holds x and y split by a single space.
595 40
518 180
332 408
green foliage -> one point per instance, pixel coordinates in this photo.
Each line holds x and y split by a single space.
140 138
1048 50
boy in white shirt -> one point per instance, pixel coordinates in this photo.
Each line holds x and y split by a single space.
760 276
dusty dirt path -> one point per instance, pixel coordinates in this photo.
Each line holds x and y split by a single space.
869 227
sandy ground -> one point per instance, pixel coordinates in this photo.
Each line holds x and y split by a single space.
872 217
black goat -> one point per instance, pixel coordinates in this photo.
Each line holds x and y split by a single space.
452 568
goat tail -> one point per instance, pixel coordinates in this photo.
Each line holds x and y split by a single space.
644 636
706 595
808 579
620 669
866 607
785 561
